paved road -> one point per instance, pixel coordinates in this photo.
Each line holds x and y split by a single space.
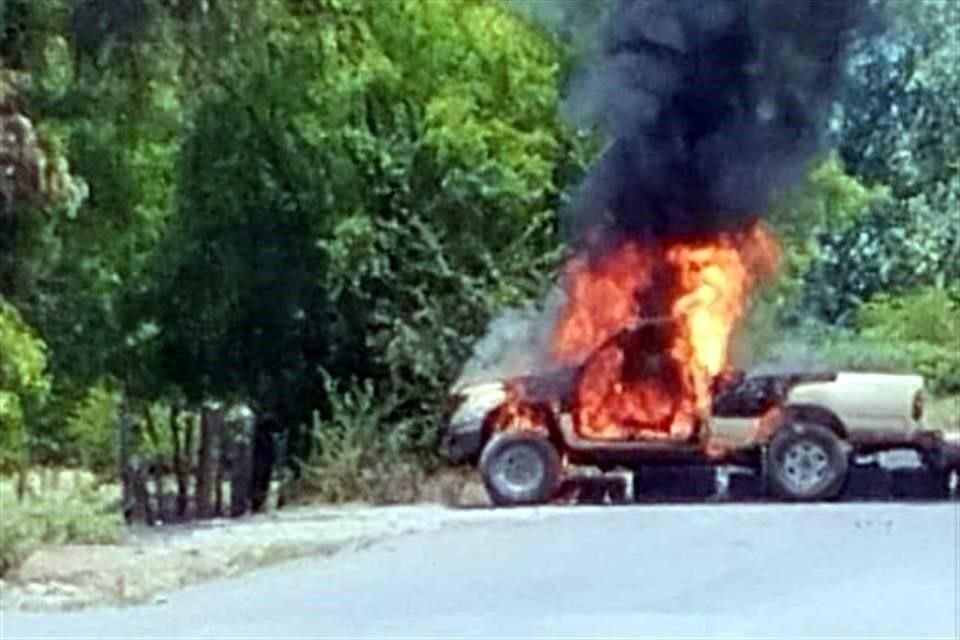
738 571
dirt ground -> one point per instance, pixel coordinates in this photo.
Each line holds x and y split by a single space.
153 561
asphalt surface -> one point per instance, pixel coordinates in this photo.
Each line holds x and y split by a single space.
864 570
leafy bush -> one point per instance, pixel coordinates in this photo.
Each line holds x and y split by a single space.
358 454
92 425
421 306
79 512
922 324
24 382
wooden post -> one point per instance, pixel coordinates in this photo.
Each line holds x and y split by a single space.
135 505
189 456
123 457
141 494
179 466
205 461
264 457
157 464
23 464
219 464
240 449
216 458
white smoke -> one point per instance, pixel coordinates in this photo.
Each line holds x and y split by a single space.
790 355
516 343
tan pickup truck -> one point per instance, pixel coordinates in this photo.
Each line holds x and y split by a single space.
800 433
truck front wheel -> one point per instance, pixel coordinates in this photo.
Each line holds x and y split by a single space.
520 468
806 461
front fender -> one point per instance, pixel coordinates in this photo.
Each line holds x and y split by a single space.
464 429
464 443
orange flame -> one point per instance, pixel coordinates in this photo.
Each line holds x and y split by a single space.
515 414
600 300
657 383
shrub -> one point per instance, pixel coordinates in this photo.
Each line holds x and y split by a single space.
24 382
421 305
358 454
922 325
92 426
79 511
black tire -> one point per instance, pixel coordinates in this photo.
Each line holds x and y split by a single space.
520 469
939 475
806 462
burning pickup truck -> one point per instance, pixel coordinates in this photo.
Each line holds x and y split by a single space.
711 108
637 373
799 431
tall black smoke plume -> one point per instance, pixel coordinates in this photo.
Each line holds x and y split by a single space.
710 105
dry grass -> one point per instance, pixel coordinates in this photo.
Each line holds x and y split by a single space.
58 507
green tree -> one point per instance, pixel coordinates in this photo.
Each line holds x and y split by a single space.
900 127
107 133
353 198
352 192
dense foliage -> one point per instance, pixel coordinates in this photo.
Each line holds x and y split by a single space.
315 207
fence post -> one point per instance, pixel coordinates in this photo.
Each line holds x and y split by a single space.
157 465
191 434
240 456
264 456
180 461
219 463
205 464
134 496
123 456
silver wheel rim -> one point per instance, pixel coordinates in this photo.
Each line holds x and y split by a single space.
518 470
806 466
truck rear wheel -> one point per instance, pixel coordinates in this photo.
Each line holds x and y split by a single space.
520 468
806 461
